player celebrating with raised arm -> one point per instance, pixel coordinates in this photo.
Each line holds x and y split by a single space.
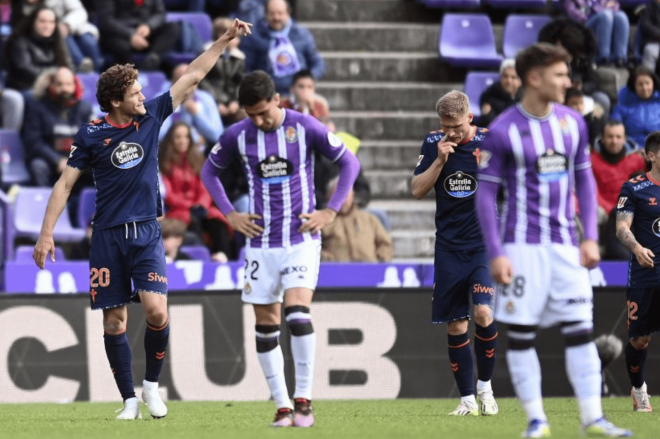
538 151
122 150
448 162
276 148
638 210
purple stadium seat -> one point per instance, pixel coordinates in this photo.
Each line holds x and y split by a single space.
86 207
89 81
197 252
451 3
24 254
153 84
201 22
521 31
466 40
28 213
12 158
528 4
475 84
632 3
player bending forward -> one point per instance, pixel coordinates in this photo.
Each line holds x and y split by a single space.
276 148
448 163
538 150
122 150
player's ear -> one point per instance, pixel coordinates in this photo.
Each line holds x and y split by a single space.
276 99
115 103
470 117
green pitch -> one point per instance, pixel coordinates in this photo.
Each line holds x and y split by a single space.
411 418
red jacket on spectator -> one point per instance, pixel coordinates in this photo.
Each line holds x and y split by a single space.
610 177
184 189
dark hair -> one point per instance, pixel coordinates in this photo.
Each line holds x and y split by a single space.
168 156
113 83
24 29
639 71
573 93
539 55
302 74
254 88
652 142
613 123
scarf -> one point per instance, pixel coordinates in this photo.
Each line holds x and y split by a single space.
282 54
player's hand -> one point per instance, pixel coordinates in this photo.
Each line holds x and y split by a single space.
589 253
44 246
244 223
237 28
501 270
315 221
445 148
644 256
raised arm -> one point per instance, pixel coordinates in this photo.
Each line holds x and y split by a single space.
56 203
200 67
626 237
422 183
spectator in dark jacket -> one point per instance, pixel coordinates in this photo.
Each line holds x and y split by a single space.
649 22
502 94
52 119
34 46
280 47
130 26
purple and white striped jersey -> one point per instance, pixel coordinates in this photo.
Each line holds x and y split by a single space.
535 160
279 166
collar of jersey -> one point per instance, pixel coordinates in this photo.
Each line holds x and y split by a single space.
531 116
648 175
107 119
280 125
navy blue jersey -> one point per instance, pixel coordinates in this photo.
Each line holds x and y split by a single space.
456 222
641 197
124 162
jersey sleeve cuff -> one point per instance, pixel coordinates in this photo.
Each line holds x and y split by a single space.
583 166
492 179
215 164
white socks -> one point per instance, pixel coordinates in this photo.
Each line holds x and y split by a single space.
583 370
525 371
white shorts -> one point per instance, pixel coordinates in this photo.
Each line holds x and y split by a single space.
270 272
549 286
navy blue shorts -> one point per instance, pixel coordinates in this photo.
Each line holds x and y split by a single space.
643 311
459 276
129 252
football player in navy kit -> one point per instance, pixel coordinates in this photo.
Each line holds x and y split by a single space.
448 163
122 150
637 227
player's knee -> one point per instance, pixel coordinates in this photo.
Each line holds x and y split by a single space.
157 317
267 337
299 320
457 328
640 343
113 325
577 333
483 315
521 337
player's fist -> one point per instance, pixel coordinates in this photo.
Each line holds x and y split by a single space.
589 253
644 256
501 270
445 148
42 248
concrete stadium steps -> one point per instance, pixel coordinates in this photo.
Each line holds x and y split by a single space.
390 154
413 244
377 125
374 37
391 184
383 96
365 10
389 66
411 214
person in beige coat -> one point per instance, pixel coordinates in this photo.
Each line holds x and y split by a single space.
355 235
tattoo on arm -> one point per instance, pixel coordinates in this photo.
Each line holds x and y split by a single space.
623 232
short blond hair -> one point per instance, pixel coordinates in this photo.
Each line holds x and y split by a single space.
453 104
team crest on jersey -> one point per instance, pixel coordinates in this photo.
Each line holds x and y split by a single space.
552 166
291 135
460 185
247 289
563 125
107 141
622 202
127 155
274 169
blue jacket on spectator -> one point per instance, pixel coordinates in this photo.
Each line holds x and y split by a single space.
639 116
256 49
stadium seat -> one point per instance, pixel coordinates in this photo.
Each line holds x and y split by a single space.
153 83
521 31
201 22
467 40
24 254
451 3
632 3
475 84
12 156
197 252
527 4
89 81
86 207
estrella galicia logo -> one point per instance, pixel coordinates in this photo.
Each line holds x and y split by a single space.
460 185
127 155
274 169
656 227
552 166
